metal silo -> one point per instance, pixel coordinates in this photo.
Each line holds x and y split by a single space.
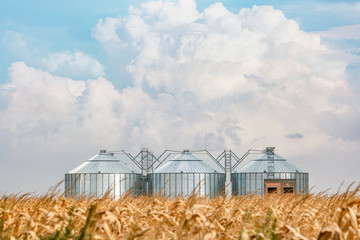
269 173
186 174
101 173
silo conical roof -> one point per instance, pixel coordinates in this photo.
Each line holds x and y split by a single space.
281 165
103 163
186 163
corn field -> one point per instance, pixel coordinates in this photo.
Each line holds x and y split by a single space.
309 216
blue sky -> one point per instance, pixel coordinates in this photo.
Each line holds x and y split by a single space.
77 76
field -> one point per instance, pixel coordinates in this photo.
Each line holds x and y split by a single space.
52 216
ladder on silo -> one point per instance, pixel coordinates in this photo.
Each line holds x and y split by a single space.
270 162
146 163
228 186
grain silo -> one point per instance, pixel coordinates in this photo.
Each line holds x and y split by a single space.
101 173
269 173
186 174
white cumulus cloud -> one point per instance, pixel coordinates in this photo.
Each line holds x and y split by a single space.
75 64
212 79
254 67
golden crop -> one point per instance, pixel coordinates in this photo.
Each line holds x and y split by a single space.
309 216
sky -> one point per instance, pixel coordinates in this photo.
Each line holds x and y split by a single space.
79 76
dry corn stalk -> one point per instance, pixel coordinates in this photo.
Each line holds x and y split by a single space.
248 217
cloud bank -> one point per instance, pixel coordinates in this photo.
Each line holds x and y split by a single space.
343 32
210 79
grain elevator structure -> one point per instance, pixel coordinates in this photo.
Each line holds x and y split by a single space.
183 173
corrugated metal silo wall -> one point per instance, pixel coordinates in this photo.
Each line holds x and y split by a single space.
97 184
253 183
184 184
